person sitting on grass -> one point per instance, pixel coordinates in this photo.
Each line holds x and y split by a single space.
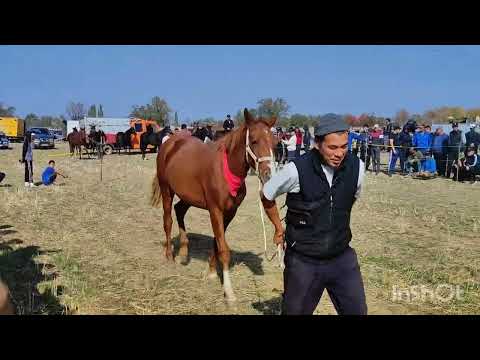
468 167
415 158
49 175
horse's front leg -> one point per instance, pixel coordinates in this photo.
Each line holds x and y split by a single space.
216 217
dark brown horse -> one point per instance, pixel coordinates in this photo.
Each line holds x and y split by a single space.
76 140
197 173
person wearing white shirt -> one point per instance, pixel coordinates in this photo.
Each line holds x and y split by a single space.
321 188
291 145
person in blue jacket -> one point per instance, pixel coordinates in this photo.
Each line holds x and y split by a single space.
422 140
439 150
49 175
352 135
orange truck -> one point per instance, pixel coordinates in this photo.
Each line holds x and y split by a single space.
13 127
140 126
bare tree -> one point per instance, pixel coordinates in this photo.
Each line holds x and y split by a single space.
76 111
401 117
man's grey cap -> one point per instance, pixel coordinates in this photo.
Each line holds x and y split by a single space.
330 123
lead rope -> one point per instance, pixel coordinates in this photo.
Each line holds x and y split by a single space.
279 253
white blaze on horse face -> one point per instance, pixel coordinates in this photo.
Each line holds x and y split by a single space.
227 286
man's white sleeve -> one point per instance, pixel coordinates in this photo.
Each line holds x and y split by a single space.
361 176
285 181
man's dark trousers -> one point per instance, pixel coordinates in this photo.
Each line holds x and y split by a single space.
305 279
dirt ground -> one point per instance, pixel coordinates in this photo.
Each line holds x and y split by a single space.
91 247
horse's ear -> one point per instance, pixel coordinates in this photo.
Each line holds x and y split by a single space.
272 121
249 119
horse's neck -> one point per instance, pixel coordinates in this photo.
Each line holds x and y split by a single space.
236 149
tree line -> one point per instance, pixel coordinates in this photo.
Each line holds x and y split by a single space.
160 111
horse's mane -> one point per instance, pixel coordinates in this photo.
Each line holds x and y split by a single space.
232 137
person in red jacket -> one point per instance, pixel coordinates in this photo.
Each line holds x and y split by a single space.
376 142
299 136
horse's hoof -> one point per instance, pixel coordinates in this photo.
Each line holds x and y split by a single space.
184 260
231 302
212 276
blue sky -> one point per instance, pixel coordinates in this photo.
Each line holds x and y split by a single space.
203 81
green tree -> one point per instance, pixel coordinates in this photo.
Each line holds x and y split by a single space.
31 120
6 110
92 112
158 110
175 122
298 120
239 119
269 107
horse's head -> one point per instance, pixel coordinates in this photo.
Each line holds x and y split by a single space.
259 144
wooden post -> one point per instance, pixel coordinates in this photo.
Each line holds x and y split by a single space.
101 159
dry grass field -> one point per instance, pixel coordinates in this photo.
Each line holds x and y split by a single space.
91 247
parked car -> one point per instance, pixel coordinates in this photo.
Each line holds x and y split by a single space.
4 142
57 134
42 138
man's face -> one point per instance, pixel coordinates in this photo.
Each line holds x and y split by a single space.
428 130
334 148
52 165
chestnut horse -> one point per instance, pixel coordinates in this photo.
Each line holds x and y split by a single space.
76 140
197 173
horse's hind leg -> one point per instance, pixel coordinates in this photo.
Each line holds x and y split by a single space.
167 198
181 209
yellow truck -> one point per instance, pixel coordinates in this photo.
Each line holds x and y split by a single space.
13 127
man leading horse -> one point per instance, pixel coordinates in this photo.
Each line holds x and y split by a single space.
321 188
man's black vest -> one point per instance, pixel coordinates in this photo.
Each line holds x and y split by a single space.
318 217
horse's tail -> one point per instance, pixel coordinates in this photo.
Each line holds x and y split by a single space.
156 197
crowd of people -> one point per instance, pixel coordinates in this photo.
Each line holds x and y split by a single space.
414 147
419 150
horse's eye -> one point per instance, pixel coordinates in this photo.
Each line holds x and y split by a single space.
254 142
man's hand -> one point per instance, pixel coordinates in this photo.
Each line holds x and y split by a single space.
272 213
278 237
